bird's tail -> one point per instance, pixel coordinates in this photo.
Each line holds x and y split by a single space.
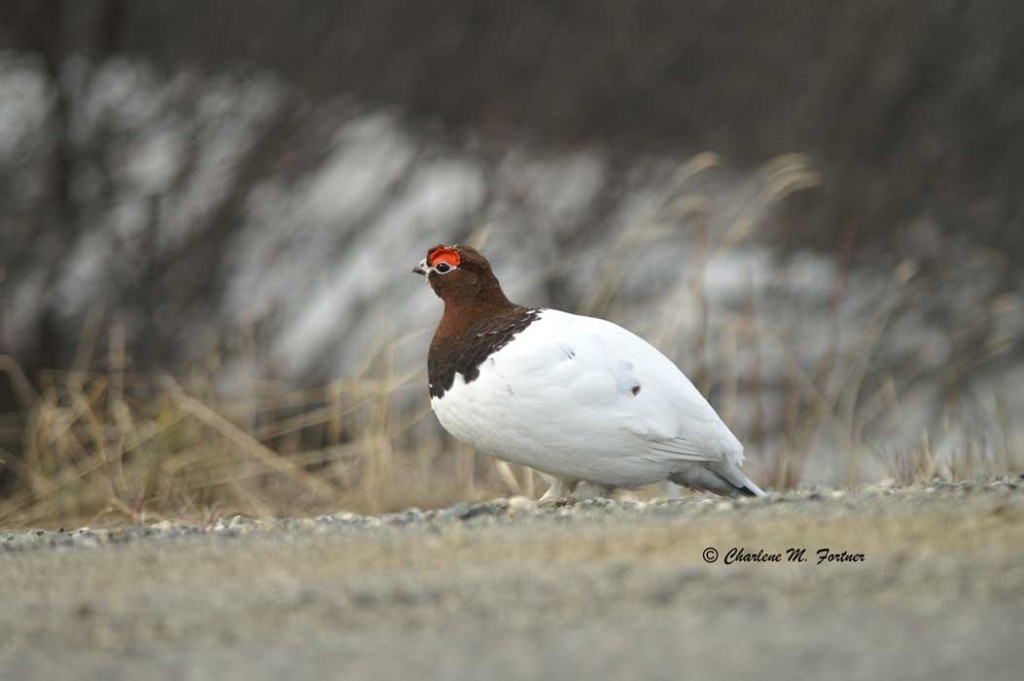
750 489
724 479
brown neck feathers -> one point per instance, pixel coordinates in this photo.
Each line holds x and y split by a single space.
477 322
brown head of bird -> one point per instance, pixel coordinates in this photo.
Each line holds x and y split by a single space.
478 319
462 277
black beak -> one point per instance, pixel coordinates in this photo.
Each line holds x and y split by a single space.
421 269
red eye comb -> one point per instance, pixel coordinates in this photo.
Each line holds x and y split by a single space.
443 254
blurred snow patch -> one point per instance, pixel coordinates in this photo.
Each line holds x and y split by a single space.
346 315
560 188
25 97
369 154
155 159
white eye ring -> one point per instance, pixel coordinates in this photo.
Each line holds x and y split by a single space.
442 267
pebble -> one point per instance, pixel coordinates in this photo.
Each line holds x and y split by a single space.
520 504
459 511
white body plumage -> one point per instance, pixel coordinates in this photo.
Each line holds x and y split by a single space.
583 399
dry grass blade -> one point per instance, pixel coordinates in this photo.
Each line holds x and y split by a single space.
247 443
23 389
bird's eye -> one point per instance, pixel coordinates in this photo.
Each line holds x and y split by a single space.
442 267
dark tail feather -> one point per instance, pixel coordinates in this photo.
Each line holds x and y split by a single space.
749 491
728 482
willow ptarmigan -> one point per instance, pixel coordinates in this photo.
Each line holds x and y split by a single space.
585 402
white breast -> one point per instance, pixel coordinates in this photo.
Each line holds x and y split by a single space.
583 398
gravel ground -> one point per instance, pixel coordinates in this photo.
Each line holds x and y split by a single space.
931 585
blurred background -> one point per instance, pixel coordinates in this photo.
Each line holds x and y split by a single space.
210 210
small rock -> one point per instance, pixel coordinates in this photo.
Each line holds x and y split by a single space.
459 511
521 504
406 517
239 521
492 508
